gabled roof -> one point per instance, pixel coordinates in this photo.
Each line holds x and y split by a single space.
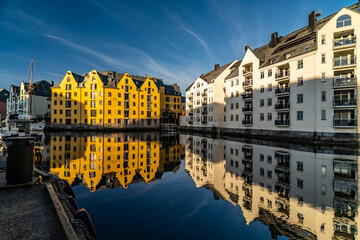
294 44
170 90
78 78
16 89
212 75
234 70
4 94
40 88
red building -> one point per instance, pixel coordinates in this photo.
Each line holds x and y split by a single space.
4 94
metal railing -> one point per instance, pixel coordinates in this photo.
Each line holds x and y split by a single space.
282 90
284 122
341 82
344 102
344 122
247 121
282 105
247 109
344 42
344 61
282 73
246 96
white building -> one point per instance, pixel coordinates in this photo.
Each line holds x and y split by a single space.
19 100
304 82
205 102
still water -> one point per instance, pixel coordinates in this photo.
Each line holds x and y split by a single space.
144 186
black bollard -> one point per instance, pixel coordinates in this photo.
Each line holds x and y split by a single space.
19 161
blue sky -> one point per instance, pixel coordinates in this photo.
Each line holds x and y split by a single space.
173 40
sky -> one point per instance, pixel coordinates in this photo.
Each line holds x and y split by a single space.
169 39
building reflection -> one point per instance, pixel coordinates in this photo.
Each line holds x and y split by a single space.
112 160
299 194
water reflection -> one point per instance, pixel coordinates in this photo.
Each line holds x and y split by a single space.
112 160
298 193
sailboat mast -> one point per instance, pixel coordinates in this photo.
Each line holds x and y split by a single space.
30 87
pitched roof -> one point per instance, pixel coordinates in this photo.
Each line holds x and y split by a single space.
40 88
294 44
170 90
4 94
212 75
234 70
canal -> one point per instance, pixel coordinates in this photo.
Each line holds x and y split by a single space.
147 186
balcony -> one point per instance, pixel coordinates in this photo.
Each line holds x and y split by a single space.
204 122
247 96
247 70
247 83
282 122
346 42
282 106
344 122
344 102
247 122
282 74
284 90
191 113
191 122
204 102
204 111
344 61
339 82
247 109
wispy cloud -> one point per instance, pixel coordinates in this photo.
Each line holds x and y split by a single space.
184 27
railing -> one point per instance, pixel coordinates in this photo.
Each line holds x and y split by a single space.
344 102
247 109
344 42
204 122
247 83
282 90
282 105
204 111
344 61
204 102
247 121
284 122
345 122
247 70
282 73
246 96
191 122
340 82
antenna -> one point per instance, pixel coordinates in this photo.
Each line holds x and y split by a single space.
319 13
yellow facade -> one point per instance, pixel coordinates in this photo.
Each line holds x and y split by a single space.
106 101
128 157
170 101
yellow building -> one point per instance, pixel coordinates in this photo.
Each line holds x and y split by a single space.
106 99
118 158
170 106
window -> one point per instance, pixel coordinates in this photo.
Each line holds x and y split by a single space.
68 104
323 40
232 117
300 98
261 102
323 96
262 157
237 117
237 105
93 86
300 183
68 86
299 115
323 170
300 166
323 58
323 114
300 64
269 73
262 88
269 101
270 87
269 116
323 79
262 172
232 106
342 21
269 174
262 75
300 81
269 159
261 116
109 94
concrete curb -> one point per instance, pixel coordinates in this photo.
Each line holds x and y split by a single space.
64 220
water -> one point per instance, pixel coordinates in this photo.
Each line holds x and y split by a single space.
144 186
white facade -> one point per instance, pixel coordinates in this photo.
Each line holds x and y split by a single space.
19 103
205 98
305 81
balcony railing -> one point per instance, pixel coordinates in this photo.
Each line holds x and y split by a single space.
344 61
282 73
283 122
282 90
344 42
204 111
344 82
344 102
247 121
282 105
247 96
247 109
247 70
247 83
345 122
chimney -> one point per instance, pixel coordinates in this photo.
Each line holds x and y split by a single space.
313 21
52 83
216 67
274 40
247 46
